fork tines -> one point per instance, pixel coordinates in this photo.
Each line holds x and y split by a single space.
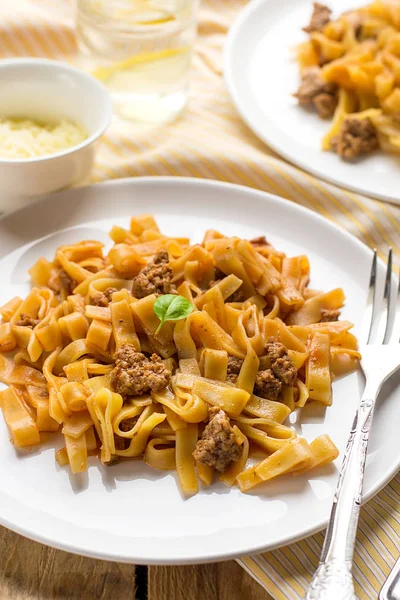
381 323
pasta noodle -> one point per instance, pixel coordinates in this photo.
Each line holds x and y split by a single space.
85 355
350 71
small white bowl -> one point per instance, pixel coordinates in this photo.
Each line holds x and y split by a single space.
48 90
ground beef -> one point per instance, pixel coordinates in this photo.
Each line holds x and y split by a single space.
320 17
317 92
354 18
234 366
259 241
127 424
103 298
67 283
155 278
325 105
120 444
27 321
285 370
329 315
218 275
281 364
267 385
135 374
217 447
356 137
238 296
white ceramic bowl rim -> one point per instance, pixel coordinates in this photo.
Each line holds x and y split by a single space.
74 72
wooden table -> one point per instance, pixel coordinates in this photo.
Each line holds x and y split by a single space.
30 571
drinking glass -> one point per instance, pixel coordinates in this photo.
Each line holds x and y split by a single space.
142 51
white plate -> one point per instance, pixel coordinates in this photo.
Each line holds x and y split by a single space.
130 512
262 74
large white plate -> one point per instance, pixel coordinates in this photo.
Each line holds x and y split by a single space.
262 75
130 512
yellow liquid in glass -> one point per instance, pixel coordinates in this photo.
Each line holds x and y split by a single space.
142 51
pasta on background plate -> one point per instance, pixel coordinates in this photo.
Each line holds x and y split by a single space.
350 69
189 357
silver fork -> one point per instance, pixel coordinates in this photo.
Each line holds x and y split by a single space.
391 587
380 350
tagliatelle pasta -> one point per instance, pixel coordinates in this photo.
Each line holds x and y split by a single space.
350 70
85 355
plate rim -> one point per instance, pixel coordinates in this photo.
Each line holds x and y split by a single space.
13 525
234 91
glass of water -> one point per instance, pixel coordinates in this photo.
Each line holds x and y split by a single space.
142 51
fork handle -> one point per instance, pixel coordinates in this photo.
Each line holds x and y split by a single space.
333 579
391 588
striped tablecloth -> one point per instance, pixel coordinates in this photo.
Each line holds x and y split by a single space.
210 141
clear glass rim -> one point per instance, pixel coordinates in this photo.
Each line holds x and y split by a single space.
107 20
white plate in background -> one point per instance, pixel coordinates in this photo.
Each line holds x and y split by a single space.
130 512
262 75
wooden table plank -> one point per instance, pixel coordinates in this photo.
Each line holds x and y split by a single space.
221 581
31 571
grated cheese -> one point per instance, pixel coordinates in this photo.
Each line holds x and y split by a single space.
23 138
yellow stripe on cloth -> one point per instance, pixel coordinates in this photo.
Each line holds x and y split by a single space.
210 141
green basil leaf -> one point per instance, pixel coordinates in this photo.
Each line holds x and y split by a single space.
178 308
170 307
161 305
